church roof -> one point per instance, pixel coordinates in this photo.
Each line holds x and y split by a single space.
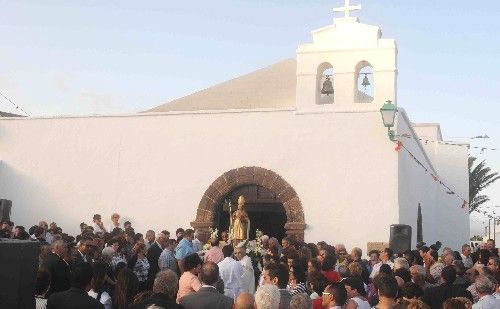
5 114
270 87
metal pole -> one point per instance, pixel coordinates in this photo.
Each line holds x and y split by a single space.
489 228
494 231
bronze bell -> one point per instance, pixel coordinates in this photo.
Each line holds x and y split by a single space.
327 86
365 82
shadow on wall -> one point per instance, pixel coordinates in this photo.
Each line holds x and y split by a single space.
31 200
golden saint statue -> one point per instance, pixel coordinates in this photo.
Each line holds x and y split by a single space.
240 221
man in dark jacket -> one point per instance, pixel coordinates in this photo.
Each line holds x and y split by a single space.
164 291
207 296
57 267
435 296
153 255
76 297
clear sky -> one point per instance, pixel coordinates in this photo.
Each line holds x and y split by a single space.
108 57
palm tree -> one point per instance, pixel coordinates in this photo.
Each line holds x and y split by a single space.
480 177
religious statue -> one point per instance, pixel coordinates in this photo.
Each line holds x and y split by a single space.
240 222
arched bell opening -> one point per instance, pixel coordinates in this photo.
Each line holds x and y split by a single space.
365 81
325 84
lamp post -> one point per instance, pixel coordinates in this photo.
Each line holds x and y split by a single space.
388 112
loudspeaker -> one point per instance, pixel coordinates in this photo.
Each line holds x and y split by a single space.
18 268
400 240
5 207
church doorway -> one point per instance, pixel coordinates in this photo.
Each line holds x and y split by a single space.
265 210
271 202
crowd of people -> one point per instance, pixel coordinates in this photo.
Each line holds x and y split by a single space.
114 266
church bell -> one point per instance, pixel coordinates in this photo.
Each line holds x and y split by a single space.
365 82
327 86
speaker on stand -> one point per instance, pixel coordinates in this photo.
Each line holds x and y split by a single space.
5 208
400 240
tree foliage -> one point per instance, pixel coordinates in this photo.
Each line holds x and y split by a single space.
480 177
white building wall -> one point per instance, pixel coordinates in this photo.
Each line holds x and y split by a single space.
442 216
154 168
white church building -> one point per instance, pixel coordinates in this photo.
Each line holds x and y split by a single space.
303 140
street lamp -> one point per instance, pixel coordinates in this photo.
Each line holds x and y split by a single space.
388 112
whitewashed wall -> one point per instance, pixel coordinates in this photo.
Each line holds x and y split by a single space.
442 216
154 169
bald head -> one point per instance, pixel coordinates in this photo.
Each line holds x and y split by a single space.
244 301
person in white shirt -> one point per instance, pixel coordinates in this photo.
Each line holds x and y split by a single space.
115 222
248 277
485 288
230 272
98 225
197 244
466 258
385 257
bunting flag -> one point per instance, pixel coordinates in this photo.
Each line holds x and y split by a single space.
426 141
400 145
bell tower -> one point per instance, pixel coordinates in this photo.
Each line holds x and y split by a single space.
348 66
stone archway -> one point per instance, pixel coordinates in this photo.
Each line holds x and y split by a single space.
213 196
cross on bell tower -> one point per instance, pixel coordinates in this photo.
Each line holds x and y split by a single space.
347 8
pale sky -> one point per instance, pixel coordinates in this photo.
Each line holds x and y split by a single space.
111 57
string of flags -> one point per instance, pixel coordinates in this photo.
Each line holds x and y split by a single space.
17 107
435 177
427 141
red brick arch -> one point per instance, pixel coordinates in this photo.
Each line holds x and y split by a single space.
222 186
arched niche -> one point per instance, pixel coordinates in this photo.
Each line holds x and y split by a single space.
364 93
230 180
324 72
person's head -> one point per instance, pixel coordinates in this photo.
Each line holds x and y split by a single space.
356 254
313 265
192 263
411 290
85 245
150 235
239 253
459 267
329 262
386 254
189 234
276 274
494 264
490 244
436 270
139 238
403 273
42 282
81 275
179 232
209 273
466 250
170 244
484 285
431 256
449 274
387 286
317 282
484 256
267 297
224 235
96 218
165 233
127 225
354 287
98 274
355 269
126 287
59 247
417 304
107 254
385 269
244 301
43 225
374 256
115 218
334 294
471 274
162 240
285 242
448 259
139 249
401 263
455 303
227 250
166 282
301 301
83 225
129 236
298 272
